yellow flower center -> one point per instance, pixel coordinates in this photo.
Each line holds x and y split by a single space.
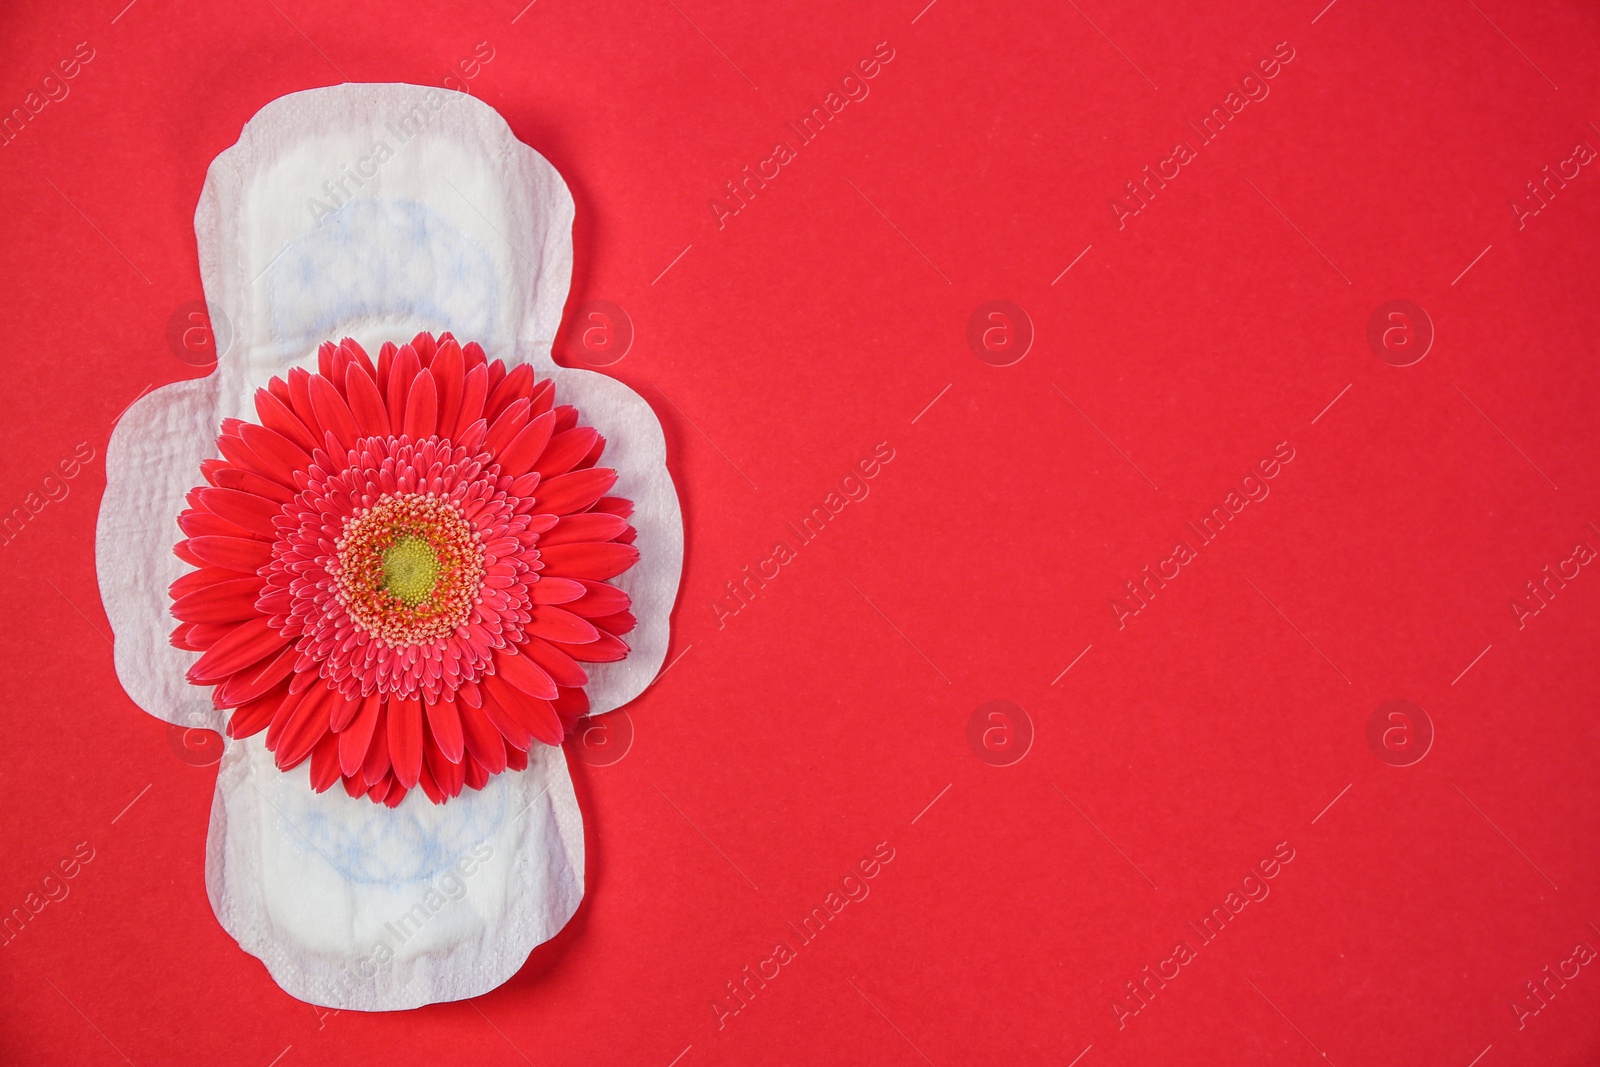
410 570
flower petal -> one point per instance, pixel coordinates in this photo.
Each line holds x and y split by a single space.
251 482
483 741
533 715
375 767
405 370
575 491
345 709
607 648
554 590
562 668
589 526
325 763
229 601
621 623
519 455
241 554
256 715
565 450
589 560
276 415
444 728
356 738
405 738
447 370
474 391
366 403
251 511
523 673
556 624
333 414
247 643
197 523
422 407
599 600
447 776
282 456
505 426
258 678
515 386
303 727
511 727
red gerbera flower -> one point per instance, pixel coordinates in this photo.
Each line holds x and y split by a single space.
401 567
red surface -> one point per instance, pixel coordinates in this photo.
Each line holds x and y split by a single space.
825 716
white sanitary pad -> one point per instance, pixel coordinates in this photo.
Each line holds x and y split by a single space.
376 211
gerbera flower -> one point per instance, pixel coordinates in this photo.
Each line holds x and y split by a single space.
401 568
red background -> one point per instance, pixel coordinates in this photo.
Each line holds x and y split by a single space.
825 716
